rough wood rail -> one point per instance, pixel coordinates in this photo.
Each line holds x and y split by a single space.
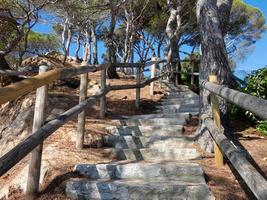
222 145
42 130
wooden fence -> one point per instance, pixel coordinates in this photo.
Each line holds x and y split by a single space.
42 130
222 145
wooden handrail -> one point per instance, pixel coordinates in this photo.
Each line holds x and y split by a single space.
11 158
254 180
25 147
28 85
248 102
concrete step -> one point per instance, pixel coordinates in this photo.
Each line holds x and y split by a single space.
159 115
132 189
178 99
167 98
164 130
187 172
156 154
178 102
192 111
138 142
177 106
157 121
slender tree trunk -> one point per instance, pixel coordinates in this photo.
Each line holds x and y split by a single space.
95 47
172 30
111 72
68 42
213 60
78 46
87 47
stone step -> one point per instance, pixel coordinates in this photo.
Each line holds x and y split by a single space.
164 130
157 121
187 172
177 99
178 106
192 111
159 115
180 101
156 154
136 189
138 142
167 98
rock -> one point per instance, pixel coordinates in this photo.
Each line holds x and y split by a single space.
20 181
94 90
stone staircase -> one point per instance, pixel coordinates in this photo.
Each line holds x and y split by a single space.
156 162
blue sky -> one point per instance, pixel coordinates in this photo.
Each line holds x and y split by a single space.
257 59
259 56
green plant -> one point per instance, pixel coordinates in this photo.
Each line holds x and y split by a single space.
262 127
256 86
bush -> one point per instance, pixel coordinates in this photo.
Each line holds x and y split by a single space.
256 86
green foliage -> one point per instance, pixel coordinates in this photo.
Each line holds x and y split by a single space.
256 86
257 83
262 127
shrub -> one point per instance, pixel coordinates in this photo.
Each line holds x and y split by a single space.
256 86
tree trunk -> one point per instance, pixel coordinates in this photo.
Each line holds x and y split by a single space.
87 47
213 60
95 47
172 31
78 46
111 72
68 42
224 8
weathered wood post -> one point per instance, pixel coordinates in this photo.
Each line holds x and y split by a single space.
138 90
160 74
36 155
81 116
153 70
192 76
103 104
217 120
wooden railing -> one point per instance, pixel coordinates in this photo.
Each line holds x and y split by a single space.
42 130
222 145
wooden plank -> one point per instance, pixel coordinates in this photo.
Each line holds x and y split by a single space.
25 147
217 120
248 102
81 116
134 86
103 103
28 85
253 179
36 155
13 91
11 158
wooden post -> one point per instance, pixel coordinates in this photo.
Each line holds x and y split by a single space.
160 74
217 120
81 116
153 70
138 90
192 76
103 99
36 155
